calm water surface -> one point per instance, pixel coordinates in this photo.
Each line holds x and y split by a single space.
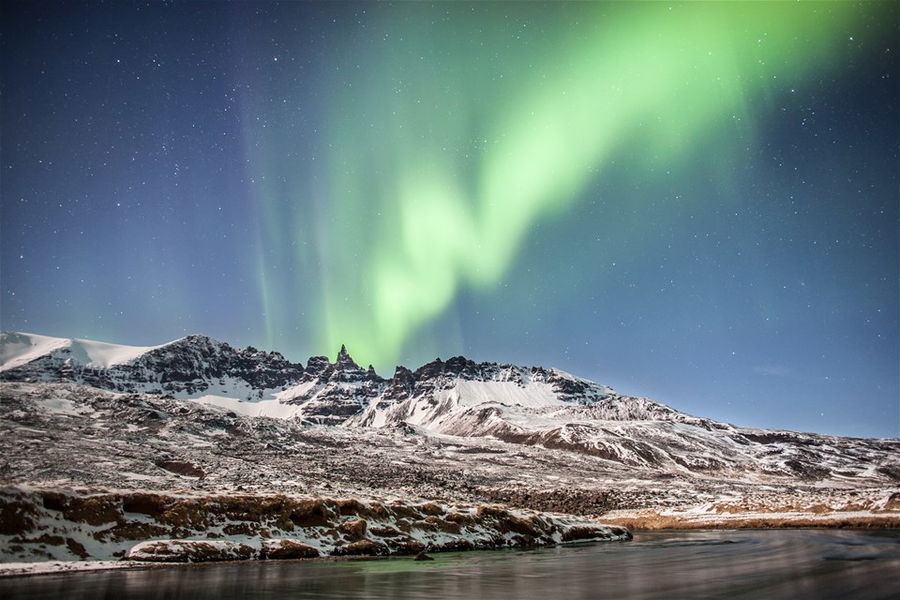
663 565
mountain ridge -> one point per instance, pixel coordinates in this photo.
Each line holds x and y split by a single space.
525 406
181 370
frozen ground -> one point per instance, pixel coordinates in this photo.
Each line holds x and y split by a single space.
66 435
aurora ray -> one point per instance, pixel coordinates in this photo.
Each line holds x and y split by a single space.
439 163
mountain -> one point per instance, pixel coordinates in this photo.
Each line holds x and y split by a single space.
526 406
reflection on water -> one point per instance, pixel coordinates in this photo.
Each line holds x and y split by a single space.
697 564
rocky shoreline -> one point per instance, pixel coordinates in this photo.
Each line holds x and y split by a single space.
57 524
53 530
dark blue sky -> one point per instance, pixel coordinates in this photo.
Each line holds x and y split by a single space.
246 171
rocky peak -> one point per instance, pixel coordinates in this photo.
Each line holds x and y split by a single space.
317 365
456 367
196 337
192 363
429 370
200 342
344 359
401 385
402 373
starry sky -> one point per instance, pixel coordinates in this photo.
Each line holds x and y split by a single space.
692 202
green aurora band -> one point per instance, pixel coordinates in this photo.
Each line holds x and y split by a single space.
451 140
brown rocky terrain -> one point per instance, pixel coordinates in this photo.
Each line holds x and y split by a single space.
42 524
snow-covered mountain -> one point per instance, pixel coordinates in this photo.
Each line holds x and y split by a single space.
534 406
187 367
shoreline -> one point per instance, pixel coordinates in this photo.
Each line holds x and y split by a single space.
42 568
149 527
660 522
55 567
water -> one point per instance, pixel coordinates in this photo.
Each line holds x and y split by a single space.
818 564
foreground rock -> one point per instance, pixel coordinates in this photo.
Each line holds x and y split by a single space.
49 524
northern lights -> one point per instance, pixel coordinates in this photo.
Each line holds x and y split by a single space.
672 79
691 201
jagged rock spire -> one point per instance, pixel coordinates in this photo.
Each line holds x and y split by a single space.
343 357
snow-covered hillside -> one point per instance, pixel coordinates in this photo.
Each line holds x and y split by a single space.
533 406
189 367
18 349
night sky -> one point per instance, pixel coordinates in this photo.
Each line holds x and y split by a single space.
696 203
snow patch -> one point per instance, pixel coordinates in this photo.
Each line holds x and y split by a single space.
532 395
261 408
